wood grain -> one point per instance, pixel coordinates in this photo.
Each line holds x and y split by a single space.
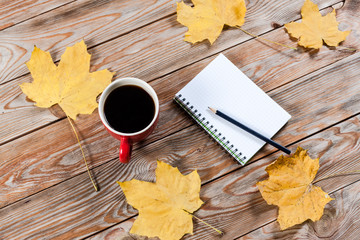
93 21
15 11
232 202
104 20
340 220
302 98
109 202
266 65
45 192
234 205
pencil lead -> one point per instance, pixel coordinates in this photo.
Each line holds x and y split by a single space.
212 109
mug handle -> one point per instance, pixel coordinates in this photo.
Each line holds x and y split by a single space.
125 149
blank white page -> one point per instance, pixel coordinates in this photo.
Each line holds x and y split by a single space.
221 85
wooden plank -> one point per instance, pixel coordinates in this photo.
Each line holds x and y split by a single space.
13 12
73 208
232 202
340 221
71 196
120 231
105 20
241 205
234 205
268 66
93 21
302 98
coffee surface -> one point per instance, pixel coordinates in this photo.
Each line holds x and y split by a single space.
129 109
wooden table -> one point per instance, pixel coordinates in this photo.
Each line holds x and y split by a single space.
45 191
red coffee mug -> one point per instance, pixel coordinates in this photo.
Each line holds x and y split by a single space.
127 139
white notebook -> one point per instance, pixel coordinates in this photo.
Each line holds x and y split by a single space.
221 85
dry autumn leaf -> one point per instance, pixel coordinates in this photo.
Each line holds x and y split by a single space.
207 18
165 206
289 186
70 84
314 29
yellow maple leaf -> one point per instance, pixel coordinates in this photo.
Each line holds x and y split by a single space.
163 206
314 29
289 186
70 84
207 18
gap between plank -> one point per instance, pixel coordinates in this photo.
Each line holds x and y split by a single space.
98 44
251 38
171 72
232 171
111 39
35 17
199 60
91 169
332 192
135 29
192 124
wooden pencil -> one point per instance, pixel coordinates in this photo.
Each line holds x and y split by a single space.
249 130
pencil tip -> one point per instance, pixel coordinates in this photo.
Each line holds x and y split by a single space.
212 109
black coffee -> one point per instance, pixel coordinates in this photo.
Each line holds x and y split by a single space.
129 109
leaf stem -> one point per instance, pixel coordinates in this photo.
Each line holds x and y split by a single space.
256 36
337 175
346 48
77 137
207 224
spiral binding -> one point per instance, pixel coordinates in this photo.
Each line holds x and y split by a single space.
210 129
